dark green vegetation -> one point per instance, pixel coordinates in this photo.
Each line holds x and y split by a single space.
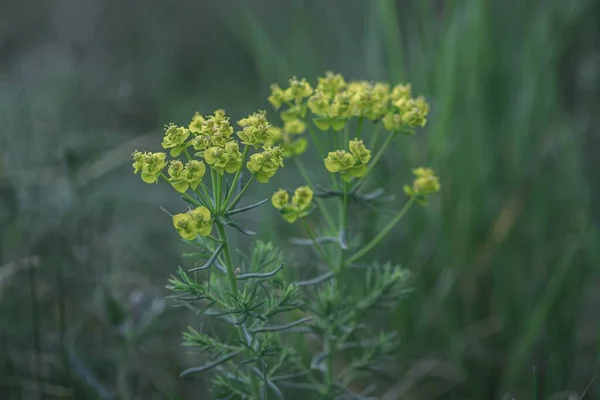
506 260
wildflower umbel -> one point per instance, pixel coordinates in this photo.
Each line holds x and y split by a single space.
208 168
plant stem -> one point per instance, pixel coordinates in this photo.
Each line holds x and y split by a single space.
329 378
319 201
313 136
228 260
239 195
315 242
375 160
233 287
359 127
369 246
236 177
343 218
375 137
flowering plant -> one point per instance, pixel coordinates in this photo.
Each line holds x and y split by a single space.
255 357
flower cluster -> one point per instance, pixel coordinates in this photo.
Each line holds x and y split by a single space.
299 207
150 165
425 183
266 163
183 177
194 222
334 101
352 164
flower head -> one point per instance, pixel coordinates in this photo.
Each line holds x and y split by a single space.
331 84
277 97
297 90
280 198
150 165
174 139
255 129
265 164
298 208
224 159
192 223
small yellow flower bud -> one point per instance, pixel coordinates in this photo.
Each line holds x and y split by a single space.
280 198
319 104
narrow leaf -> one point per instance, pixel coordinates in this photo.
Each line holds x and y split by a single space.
247 208
209 365
211 260
257 275
317 280
279 328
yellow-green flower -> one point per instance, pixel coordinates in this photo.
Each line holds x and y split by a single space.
303 197
360 151
193 173
218 128
255 129
349 165
292 147
280 198
185 226
265 164
195 125
415 112
339 160
392 121
150 165
331 84
426 182
401 91
176 178
318 104
277 97
174 139
297 90
202 221
299 207
295 127
224 159
200 142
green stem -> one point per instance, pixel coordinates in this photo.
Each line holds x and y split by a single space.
343 218
315 140
213 178
329 378
228 260
376 159
219 192
239 195
319 201
369 246
233 287
359 127
375 136
236 177
206 193
312 237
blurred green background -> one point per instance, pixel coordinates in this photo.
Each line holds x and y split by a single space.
505 261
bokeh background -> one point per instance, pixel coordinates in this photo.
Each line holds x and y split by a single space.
505 261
